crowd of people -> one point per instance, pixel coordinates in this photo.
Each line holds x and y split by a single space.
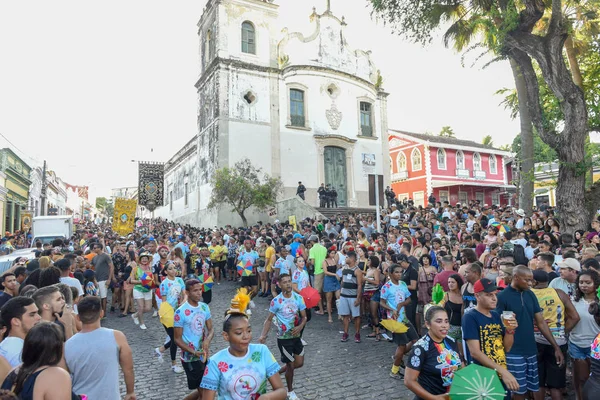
520 297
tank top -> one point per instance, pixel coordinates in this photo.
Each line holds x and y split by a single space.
331 268
454 312
28 385
553 311
349 282
369 285
469 299
586 329
93 359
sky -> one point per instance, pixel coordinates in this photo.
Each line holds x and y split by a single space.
91 86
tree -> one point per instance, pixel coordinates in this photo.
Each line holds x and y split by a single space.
101 203
242 187
447 132
487 141
511 34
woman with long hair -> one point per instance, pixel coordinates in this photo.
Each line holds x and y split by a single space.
583 334
372 285
49 276
331 284
179 261
453 303
40 376
127 285
427 274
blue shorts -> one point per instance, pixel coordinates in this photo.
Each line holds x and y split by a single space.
525 371
579 353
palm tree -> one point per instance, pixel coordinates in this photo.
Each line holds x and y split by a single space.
447 132
468 25
487 141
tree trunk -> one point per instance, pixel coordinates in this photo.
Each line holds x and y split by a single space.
570 191
526 174
243 217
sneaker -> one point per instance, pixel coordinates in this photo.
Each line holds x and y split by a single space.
399 375
251 305
177 369
248 312
135 319
159 354
386 336
357 338
143 327
155 313
304 342
292 396
345 337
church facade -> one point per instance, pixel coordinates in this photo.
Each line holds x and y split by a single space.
301 106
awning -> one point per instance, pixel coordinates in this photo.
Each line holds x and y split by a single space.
443 184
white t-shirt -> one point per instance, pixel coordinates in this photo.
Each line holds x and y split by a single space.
395 218
67 280
11 349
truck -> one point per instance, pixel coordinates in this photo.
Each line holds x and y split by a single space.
46 229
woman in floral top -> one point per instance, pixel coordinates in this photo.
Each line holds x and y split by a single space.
241 371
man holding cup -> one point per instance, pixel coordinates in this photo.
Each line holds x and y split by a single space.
522 357
487 335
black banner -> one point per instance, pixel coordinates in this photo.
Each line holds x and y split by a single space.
150 188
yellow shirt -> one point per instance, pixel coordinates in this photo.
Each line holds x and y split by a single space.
268 254
215 253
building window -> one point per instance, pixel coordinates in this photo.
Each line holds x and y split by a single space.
463 198
444 196
208 47
416 160
419 198
441 158
297 108
480 196
460 160
171 200
476 162
401 161
248 38
185 194
495 199
493 164
366 126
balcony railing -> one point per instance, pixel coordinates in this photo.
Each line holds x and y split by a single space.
400 176
462 173
479 174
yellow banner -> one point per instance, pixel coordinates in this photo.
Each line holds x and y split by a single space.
292 221
25 221
124 216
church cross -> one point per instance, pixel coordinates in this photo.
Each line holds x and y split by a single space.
328 5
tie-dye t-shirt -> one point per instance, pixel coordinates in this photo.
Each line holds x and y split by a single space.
394 295
240 378
436 362
172 290
193 321
287 315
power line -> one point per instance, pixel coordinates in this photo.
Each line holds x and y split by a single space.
19 150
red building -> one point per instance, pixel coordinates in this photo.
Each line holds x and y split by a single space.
451 169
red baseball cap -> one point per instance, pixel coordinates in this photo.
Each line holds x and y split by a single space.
484 285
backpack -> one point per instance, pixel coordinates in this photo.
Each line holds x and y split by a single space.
519 255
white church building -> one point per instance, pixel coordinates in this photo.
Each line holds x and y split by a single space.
301 106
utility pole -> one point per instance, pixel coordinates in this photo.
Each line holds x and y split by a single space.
43 193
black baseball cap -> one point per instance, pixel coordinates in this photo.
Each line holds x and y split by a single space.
484 285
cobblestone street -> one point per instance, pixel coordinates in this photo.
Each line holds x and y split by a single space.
332 369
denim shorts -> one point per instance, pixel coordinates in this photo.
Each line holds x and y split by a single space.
579 353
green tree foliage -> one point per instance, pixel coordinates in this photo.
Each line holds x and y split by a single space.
531 33
487 141
447 132
101 203
242 187
542 153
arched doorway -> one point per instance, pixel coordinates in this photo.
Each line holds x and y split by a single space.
335 172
